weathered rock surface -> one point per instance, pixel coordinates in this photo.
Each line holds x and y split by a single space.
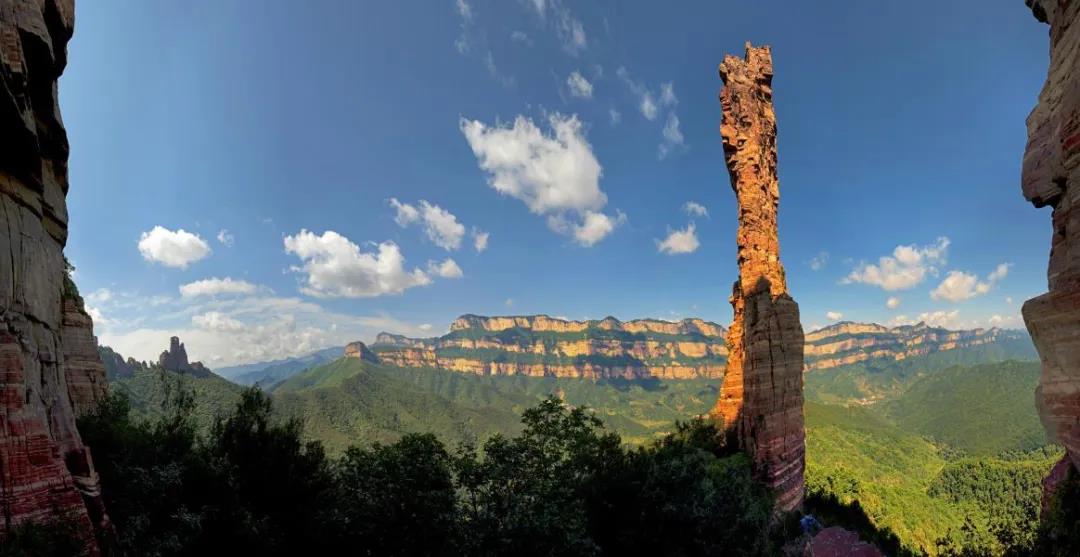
761 399
543 346
86 379
1051 177
849 343
838 542
360 351
176 359
45 471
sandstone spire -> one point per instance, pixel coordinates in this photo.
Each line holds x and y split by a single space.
1051 176
48 365
761 400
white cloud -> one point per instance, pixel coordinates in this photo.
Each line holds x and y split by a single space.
215 286
447 269
96 315
1008 300
679 241
335 267
521 37
440 225
176 249
695 209
959 286
667 94
571 32
579 86
615 116
1003 320
672 136
940 318
406 214
648 106
217 321
819 261
509 302
480 239
553 175
464 10
834 315
225 238
99 296
892 303
905 268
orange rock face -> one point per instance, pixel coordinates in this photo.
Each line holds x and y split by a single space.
761 400
1051 177
47 361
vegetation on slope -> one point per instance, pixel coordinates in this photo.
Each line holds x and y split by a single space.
564 486
985 409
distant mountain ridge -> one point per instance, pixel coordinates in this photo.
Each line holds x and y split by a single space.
544 346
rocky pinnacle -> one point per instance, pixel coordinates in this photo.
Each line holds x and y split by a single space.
1051 177
761 399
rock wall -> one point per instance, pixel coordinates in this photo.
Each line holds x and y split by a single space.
761 399
45 471
849 343
542 346
1051 177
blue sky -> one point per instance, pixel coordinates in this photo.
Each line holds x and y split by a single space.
350 149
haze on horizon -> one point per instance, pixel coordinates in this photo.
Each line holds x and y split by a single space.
294 180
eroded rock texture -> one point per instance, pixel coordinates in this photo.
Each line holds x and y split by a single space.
45 471
1051 177
761 400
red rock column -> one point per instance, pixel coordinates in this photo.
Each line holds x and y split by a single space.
761 399
46 472
1051 177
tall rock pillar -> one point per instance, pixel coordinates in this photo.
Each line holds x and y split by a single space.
1051 177
761 399
46 472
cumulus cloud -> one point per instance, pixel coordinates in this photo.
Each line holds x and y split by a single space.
217 321
440 225
939 318
672 136
679 241
892 303
556 176
579 86
819 261
907 267
667 94
480 239
959 286
215 286
695 209
225 238
834 315
177 249
447 269
336 267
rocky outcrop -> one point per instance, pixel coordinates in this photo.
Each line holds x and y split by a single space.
761 399
849 343
176 359
360 351
86 379
46 473
1051 177
542 346
838 542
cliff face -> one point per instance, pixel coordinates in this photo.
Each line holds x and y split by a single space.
761 399
543 346
849 343
1051 177
45 471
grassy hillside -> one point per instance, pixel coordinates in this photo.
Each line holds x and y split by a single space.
149 388
353 402
985 409
880 379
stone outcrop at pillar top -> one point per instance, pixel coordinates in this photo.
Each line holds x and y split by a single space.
761 399
1051 177
176 359
47 373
